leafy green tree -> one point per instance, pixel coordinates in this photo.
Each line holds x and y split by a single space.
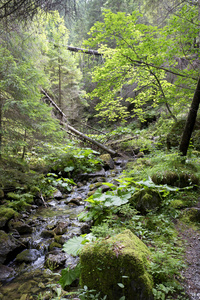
147 55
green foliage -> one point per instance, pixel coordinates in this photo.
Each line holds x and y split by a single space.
70 159
19 201
69 275
64 183
86 294
136 52
75 244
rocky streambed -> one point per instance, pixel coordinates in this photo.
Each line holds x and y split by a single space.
31 252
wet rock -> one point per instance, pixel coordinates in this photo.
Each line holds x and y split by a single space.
95 185
90 193
7 245
20 226
47 233
28 256
85 228
107 161
98 179
75 201
120 161
6 272
54 246
87 176
105 188
60 239
61 228
55 260
57 195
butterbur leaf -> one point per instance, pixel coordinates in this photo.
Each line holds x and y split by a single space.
121 285
74 245
69 275
68 169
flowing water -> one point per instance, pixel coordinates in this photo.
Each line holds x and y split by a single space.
31 277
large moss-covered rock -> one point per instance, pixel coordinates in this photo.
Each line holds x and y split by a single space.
146 200
180 179
7 245
107 160
6 214
109 263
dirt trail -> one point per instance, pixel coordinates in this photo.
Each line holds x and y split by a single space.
192 273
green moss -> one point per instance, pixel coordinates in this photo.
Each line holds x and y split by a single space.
105 262
179 179
177 204
6 214
95 185
146 200
54 245
191 216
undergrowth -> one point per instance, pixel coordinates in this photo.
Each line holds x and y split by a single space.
114 211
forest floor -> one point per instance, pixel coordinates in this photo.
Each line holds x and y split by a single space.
191 274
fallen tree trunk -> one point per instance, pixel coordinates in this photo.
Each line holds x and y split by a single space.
87 51
75 131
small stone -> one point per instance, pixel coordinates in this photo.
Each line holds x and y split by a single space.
6 272
28 255
61 228
57 195
47 234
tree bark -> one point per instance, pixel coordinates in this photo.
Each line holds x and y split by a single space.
190 122
1 134
87 51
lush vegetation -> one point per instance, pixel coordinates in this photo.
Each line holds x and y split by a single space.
137 95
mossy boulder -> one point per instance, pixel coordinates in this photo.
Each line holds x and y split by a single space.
6 214
179 179
146 200
28 256
107 161
7 245
191 215
109 263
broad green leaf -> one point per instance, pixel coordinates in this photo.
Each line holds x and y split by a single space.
74 245
69 275
68 169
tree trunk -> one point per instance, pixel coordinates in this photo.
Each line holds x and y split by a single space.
89 51
190 122
59 84
75 131
1 107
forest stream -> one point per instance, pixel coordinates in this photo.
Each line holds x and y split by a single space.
38 259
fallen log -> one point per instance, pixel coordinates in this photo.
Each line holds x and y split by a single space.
75 131
87 51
